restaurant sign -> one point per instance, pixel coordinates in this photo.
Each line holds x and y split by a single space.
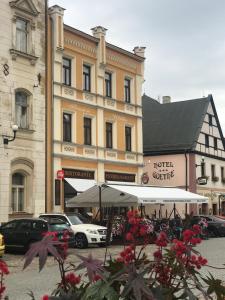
123 177
163 170
82 174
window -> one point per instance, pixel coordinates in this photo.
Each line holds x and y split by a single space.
215 143
108 84
18 192
127 90
87 131
207 140
128 138
210 120
66 71
67 127
213 174
86 78
109 137
21 35
21 110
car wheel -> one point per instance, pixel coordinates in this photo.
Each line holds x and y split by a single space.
81 241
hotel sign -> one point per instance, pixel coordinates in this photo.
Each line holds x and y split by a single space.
163 170
112 176
82 174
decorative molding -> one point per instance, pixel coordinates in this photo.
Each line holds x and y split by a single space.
89 151
68 91
30 57
26 6
80 45
122 61
68 148
131 156
129 107
88 97
111 154
110 102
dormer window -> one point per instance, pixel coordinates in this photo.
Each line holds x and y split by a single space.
21 35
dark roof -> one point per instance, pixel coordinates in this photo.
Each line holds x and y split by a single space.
172 127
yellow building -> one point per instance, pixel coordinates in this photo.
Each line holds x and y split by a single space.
94 110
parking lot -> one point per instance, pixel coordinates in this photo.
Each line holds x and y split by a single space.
20 282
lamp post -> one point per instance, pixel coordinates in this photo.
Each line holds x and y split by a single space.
7 139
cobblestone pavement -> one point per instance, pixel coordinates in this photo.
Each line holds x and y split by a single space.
19 282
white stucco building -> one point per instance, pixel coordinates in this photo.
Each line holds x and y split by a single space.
22 102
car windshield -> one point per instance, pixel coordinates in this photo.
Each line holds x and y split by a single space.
77 219
58 227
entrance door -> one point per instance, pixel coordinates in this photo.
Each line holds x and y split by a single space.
214 209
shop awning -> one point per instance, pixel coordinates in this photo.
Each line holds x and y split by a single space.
131 195
81 185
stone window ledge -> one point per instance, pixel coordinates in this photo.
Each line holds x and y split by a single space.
30 57
26 130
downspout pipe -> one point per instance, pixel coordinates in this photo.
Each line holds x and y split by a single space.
186 177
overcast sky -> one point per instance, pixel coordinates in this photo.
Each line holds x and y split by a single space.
184 40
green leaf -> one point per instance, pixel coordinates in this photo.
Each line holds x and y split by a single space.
101 291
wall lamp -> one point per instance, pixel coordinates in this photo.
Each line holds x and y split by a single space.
7 139
202 162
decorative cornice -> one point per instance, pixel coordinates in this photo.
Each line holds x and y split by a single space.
80 45
32 9
16 53
97 160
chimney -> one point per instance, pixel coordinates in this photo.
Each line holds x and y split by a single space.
166 99
140 51
56 13
99 32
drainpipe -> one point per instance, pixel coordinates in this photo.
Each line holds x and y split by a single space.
46 97
186 177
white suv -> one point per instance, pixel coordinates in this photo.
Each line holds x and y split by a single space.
85 233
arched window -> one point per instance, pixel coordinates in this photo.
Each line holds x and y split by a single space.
21 110
18 192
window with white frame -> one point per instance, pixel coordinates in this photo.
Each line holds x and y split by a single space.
18 192
21 35
21 110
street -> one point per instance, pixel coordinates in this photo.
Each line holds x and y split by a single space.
20 282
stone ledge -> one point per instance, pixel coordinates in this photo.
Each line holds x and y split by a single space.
30 57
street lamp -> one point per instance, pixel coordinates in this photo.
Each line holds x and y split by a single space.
7 139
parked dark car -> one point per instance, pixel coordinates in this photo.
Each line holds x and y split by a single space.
216 225
20 234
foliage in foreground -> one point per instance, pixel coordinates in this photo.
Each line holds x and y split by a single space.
173 272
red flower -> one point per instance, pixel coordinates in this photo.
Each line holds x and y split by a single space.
72 278
197 228
129 237
161 240
187 235
143 231
45 297
97 277
3 268
157 255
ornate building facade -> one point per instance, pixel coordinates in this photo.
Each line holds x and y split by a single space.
22 103
94 115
